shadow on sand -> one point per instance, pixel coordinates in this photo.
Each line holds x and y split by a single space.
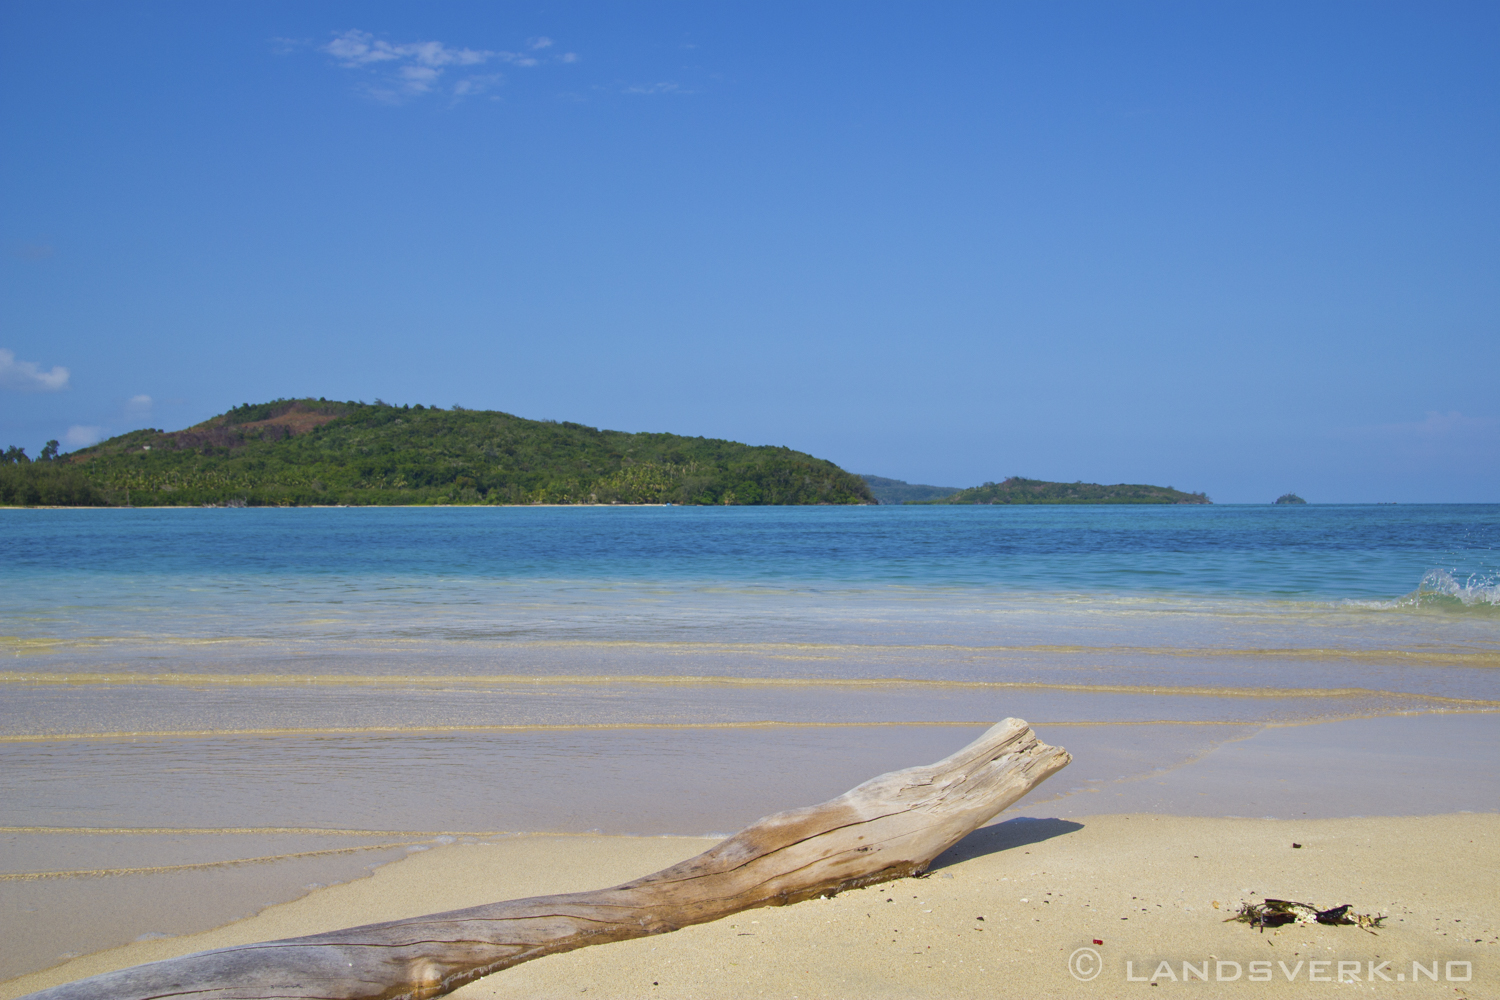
1018 832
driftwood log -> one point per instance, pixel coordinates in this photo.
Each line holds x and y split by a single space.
889 827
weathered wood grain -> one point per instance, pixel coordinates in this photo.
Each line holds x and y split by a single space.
890 826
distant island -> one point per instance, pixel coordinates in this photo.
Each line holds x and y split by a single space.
1016 490
1290 498
303 452
897 491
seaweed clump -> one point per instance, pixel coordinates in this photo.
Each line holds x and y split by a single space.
1280 912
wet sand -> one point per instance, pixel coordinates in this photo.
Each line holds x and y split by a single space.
143 837
1154 889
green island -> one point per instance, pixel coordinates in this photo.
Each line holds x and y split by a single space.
1016 490
306 452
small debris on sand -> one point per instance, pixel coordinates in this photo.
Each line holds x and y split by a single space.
1279 912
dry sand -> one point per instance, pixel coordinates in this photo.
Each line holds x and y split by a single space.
1145 885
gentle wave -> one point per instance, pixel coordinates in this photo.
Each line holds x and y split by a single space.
318 831
486 682
571 727
1455 655
1440 591
1454 707
197 865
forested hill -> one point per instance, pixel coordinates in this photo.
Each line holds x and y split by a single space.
897 491
1018 490
315 451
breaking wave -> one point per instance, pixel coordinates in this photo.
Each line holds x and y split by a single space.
1441 591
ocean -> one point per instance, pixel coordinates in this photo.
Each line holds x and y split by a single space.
207 710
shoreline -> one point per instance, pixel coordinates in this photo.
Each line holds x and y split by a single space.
1152 887
246 844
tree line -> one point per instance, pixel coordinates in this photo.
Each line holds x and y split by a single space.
45 482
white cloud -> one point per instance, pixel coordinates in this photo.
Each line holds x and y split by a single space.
360 48
655 88
419 79
79 436
138 406
413 69
28 375
476 85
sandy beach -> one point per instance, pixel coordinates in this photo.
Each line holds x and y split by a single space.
1001 914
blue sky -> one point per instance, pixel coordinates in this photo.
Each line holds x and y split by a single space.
1241 248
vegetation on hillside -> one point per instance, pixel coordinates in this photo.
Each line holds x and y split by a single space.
899 491
46 482
1290 498
1018 490
315 451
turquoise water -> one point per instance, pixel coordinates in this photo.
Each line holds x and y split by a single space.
220 685
861 574
1309 552
174 621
